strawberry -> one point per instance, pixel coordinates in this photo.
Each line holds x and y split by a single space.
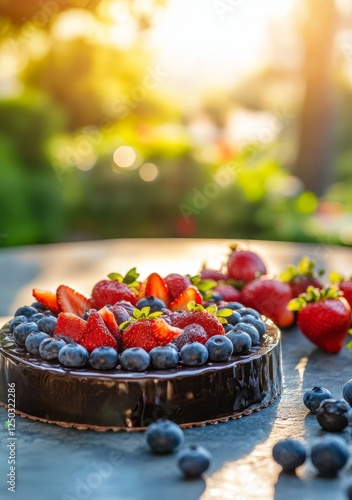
156 287
177 284
324 317
228 292
70 325
148 333
270 297
344 284
213 274
204 317
71 301
302 276
244 265
48 299
109 319
190 294
111 291
96 334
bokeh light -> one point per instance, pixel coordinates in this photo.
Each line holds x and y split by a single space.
148 172
125 156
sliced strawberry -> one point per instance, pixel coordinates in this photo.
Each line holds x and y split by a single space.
141 290
180 303
163 332
149 333
110 322
96 333
71 301
70 325
176 284
156 287
48 299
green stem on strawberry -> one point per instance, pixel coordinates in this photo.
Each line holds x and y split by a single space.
314 295
130 279
305 267
137 314
221 314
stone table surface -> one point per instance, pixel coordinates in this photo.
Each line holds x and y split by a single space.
66 464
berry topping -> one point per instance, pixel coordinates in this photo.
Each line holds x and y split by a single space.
191 333
48 299
96 333
210 319
110 322
71 301
73 355
219 347
164 357
194 354
104 358
27 311
249 330
47 324
153 303
17 320
110 291
155 286
241 342
181 302
70 325
22 331
135 359
177 284
49 348
34 340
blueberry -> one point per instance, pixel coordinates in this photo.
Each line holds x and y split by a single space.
234 318
232 305
49 348
329 455
313 397
135 359
349 490
194 354
163 358
127 306
17 320
154 303
27 311
334 415
193 461
257 323
249 329
104 358
171 344
215 297
33 341
219 348
290 454
39 307
249 310
47 324
347 392
241 341
36 317
22 331
120 313
164 436
73 355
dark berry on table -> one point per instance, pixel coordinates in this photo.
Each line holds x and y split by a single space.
164 357
164 436
329 455
27 311
241 342
22 331
290 454
347 392
232 305
191 333
249 329
194 354
314 396
193 461
244 311
120 313
17 320
220 348
49 348
104 358
73 355
135 359
234 318
153 303
47 324
34 340
334 415
257 323
37 317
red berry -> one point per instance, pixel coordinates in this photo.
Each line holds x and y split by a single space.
208 321
48 299
191 333
180 303
346 288
300 284
155 286
96 333
213 274
149 333
109 292
70 325
228 292
71 301
177 284
245 266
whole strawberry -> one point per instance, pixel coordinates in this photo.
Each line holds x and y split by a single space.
324 317
228 292
109 292
302 276
344 284
244 265
213 274
270 297
177 284
210 318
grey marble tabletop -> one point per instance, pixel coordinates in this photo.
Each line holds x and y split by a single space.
67 464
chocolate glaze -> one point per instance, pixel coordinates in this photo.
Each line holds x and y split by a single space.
123 400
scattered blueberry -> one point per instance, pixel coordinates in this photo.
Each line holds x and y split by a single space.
329 455
191 333
27 311
154 303
73 355
232 305
36 317
248 310
135 359
17 320
49 348
164 357
164 436
104 358
22 331
241 341
313 397
219 347
34 340
47 324
249 329
334 415
290 454
193 461
194 354
257 323
347 392
234 318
